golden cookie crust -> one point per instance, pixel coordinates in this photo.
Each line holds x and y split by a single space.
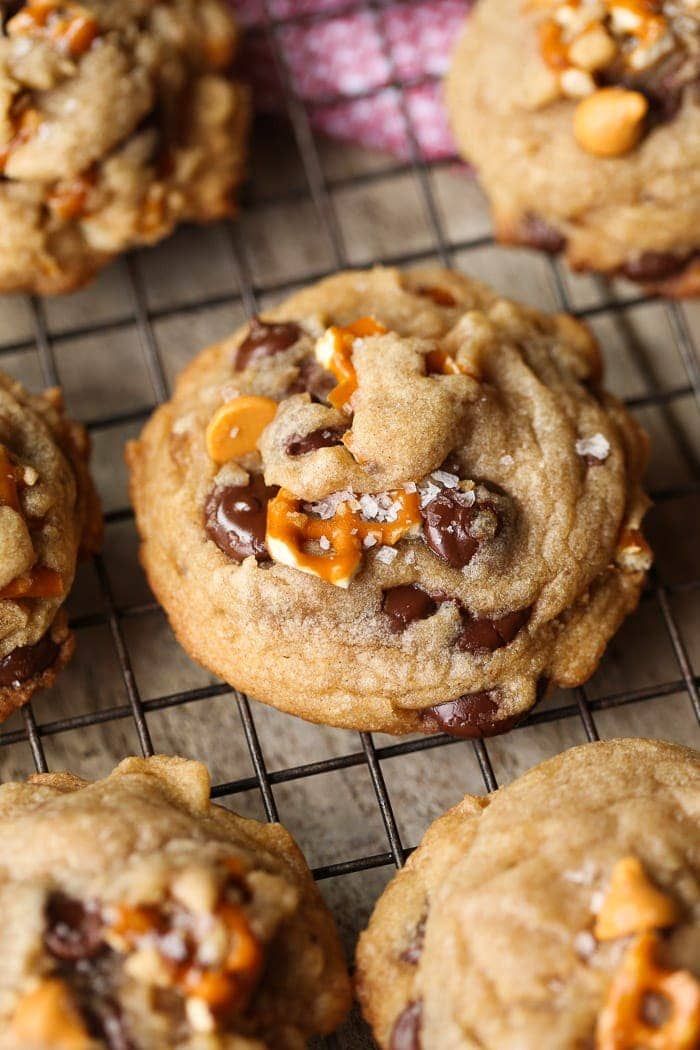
637 214
57 519
111 136
506 889
330 655
143 837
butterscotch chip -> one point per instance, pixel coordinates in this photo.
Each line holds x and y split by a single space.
593 149
486 938
139 915
49 514
117 122
402 547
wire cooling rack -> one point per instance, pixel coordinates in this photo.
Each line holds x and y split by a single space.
665 390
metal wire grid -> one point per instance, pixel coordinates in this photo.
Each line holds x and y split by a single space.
248 294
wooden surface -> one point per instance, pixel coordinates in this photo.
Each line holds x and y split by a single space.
382 215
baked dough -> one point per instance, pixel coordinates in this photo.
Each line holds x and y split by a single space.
49 515
117 121
492 936
139 915
460 528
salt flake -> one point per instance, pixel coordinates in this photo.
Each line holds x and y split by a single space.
597 446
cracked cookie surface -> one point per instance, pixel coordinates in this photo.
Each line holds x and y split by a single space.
140 916
594 149
398 503
521 915
49 514
117 121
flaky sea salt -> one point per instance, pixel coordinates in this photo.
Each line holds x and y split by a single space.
369 541
386 555
324 543
585 944
326 508
507 461
448 481
597 446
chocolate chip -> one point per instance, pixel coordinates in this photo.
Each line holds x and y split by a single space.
469 716
405 1035
265 340
413 951
448 524
314 379
27 661
655 266
535 231
73 931
236 518
488 635
324 437
405 604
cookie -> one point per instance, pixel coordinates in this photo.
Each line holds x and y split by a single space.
561 912
138 915
49 514
593 149
117 121
397 503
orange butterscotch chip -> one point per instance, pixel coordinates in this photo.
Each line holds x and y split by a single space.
236 427
633 904
622 1024
67 24
47 1016
334 352
338 541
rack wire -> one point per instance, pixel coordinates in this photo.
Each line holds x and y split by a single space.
247 293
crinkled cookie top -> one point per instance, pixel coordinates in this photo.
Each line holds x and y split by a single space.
138 915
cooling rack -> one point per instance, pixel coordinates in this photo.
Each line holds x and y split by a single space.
357 803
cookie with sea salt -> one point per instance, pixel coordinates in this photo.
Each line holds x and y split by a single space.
593 149
562 912
118 120
139 916
398 503
49 514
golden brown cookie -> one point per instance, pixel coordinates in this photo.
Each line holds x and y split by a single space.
561 912
138 915
117 121
398 503
593 148
49 514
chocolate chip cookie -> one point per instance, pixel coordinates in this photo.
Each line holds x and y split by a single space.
49 514
117 121
594 147
561 912
138 916
397 502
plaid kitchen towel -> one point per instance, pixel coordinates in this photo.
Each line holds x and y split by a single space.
345 61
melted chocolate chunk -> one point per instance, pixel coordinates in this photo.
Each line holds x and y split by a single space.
538 233
469 716
314 380
655 266
405 604
72 931
448 523
414 950
265 340
488 635
324 437
236 518
405 1035
27 661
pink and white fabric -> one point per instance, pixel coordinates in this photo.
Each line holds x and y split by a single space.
347 64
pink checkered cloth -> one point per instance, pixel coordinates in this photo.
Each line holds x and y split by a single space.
345 66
